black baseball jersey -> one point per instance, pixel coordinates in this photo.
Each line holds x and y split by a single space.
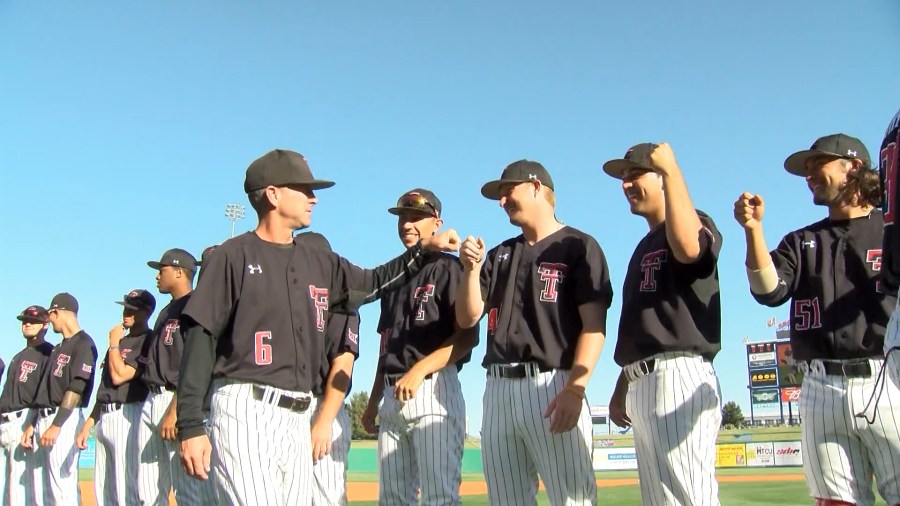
668 305
532 294
70 367
419 317
889 166
342 337
23 377
830 272
130 391
160 355
266 304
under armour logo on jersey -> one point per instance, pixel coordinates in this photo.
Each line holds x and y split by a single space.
61 362
353 338
873 256
650 263
552 275
320 301
26 368
254 269
422 295
808 244
850 152
169 332
503 257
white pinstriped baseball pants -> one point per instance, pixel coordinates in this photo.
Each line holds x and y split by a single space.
56 468
116 456
261 453
420 443
676 412
517 445
330 473
16 463
160 468
842 451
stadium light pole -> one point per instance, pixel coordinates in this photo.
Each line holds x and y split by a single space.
234 212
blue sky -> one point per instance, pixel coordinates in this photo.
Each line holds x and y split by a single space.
127 126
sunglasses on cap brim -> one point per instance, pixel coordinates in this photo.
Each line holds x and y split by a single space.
417 202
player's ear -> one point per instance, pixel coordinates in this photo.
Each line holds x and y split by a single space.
438 223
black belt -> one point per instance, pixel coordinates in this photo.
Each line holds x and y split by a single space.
854 369
392 379
12 416
109 407
295 404
45 412
158 389
646 367
517 371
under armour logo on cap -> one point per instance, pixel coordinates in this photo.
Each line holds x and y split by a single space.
850 152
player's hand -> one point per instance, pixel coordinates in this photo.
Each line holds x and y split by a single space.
48 438
564 410
472 252
321 440
196 453
749 210
28 438
167 428
82 437
115 334
662 158
408 384
447 240
368 419
617 412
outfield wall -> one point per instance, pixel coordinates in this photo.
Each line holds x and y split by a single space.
764 454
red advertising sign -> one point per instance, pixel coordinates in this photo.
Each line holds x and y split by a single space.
790 394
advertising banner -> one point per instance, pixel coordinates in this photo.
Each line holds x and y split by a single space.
788 368
788 453
790 394
614 459
760 455
767 377
731 455
761 355
764 396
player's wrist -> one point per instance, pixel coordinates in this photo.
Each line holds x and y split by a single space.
576 390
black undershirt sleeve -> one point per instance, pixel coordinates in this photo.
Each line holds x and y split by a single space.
195 376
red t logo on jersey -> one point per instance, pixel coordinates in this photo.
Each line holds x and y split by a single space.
650 263
873 256
552 275
61 362
385 335
889 161
492 320
421 295
25 368
320 300
169 332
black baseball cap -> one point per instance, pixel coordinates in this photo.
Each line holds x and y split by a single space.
637 157
281 167
176 257
63 302
836 145
418 199
204 256
314 239
138 299
33 314
517 172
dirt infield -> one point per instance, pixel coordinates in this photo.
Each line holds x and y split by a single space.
368 491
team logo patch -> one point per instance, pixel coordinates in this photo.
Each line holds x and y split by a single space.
61 362
873 256
320 301
26 368
385 336
552 274
88 368
422 294
352 337
169 330
650 264
492 320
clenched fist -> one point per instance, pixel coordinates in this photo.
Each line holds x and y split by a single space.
749 210
663 159
472 252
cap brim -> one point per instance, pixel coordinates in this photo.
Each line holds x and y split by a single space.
26 319
796 163
491 190
158 266
617 168
155 265
397 210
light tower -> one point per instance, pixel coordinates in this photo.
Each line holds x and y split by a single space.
234 212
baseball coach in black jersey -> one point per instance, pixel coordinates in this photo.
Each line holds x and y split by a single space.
255 321
669 333
830 271
546 293
22 379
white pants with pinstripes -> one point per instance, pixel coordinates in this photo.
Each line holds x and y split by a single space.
330 473
261 453
420 443
160 469
517 445
16 463
116 456
843 451
676 412
56 468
